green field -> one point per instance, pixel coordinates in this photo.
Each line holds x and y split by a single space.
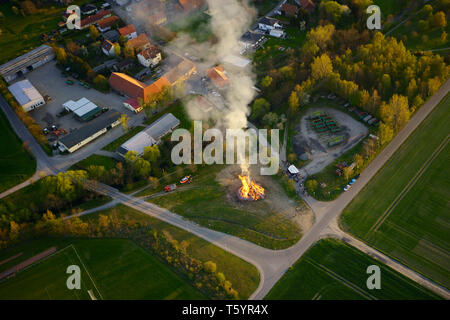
111 268
243 276
16 164
207 203
95 160
404 210
333 270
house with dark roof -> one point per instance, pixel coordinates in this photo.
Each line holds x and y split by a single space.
267 24
111 35
91 131
108 48
251 41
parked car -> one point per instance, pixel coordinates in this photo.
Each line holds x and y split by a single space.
69 82
347 187
45 131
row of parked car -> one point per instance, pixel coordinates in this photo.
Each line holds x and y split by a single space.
349 185
362 115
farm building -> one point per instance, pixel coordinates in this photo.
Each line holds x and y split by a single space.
83 109
151 135
89 132
26 95
26 63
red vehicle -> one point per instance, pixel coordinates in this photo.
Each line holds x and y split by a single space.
170 187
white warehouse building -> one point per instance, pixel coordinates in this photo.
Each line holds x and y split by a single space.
26 95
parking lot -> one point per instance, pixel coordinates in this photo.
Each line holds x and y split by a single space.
48 80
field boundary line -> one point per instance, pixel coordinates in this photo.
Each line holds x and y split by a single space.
409 186
87 271
342 280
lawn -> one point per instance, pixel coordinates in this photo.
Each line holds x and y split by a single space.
404 210
123 138
264 6
206 202
333 270
95 160
16 164
243 276
111 268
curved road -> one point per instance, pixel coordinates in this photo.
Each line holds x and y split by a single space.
270 263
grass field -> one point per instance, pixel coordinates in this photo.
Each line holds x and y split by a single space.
111 268
122 139
333 270
95 160
206 203
243 276
404 210
16 164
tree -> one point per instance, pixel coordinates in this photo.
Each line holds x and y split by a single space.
117 50
270 119
332 10
359 161
259 108
93 31
290 186
311 185
396 113
152 153
128 52
101 82
293 102
124 118
61 55
321 35
348 171
210 266
153 183
321 67
440 20
385 133
266 81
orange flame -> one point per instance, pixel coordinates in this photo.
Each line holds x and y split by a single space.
250 189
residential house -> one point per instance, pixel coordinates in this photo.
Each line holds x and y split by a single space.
218 77
129 32
88 9
150 57
111 35
88 21
251 41
290 10
267 24
124 65
133 105
108 48
307 5
139 43
107 23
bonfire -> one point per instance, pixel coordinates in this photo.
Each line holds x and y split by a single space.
250 190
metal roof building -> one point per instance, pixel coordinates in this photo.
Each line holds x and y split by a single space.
83 109
151 135
26 95
91 131
27 62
